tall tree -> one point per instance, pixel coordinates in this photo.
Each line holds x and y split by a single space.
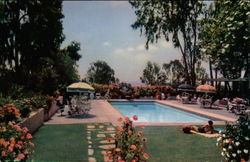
100 72
31 31
173 19
152 75
225 37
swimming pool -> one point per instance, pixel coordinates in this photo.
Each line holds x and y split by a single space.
154 112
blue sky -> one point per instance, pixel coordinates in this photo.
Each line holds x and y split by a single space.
104 30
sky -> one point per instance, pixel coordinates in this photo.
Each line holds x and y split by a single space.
103 28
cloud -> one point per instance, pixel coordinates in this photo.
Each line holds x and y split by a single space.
130 49
120 51
166 44
140 47
106 44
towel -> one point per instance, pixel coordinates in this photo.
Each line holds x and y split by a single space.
214 135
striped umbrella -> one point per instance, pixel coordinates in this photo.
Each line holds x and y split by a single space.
80 87
206 88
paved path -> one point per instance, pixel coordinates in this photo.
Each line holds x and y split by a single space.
102 112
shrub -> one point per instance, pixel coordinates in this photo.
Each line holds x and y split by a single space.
8 113
14 142
129 143
235 140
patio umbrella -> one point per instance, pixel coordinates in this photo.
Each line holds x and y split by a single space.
80 87
206 88
186 87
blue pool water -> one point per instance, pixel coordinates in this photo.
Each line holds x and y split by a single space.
154 112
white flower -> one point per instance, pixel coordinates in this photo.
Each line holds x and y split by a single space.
218 139
226 141
247 138
237 143
245 151
224 149
220 131
238 151
222 154
230 147
217 144
234 154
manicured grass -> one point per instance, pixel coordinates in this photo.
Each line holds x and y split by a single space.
168 143
61 143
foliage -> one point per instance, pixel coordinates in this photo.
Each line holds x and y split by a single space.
225 37
100 72
14 142
175 19
8 113
129 143
152 75
235 140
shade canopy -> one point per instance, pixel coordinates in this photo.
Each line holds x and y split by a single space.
185 87
80 87
206 88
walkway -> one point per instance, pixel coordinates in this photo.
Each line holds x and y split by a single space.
103 112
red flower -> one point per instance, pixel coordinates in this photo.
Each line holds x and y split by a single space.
130 132
106 154
133 147
127 120
230 140
121 161
119 119
135 117
242 160
109 139
144 139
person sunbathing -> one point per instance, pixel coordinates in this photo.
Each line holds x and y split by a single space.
205 129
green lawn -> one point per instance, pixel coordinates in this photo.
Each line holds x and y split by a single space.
165 143
61 143
168 143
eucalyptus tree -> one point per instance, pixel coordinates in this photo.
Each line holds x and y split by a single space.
100 72
225 37
31 33
152 75
173 20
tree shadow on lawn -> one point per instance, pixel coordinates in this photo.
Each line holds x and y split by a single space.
86 116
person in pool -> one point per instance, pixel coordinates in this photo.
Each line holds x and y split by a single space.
205 129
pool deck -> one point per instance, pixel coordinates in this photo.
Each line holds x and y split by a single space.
102 111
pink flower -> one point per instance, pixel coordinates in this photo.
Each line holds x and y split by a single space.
133 147
10 149
20 157
135 117
144 139
120 129
25 130
142 127
145 155
117 149
3 153
31 144
130 132
28 136
139 133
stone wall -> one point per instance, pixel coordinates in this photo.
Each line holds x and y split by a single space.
34 121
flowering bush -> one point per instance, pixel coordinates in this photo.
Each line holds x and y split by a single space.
235 140
129 143
8 113
14 142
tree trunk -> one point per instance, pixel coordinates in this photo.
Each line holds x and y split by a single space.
211 71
